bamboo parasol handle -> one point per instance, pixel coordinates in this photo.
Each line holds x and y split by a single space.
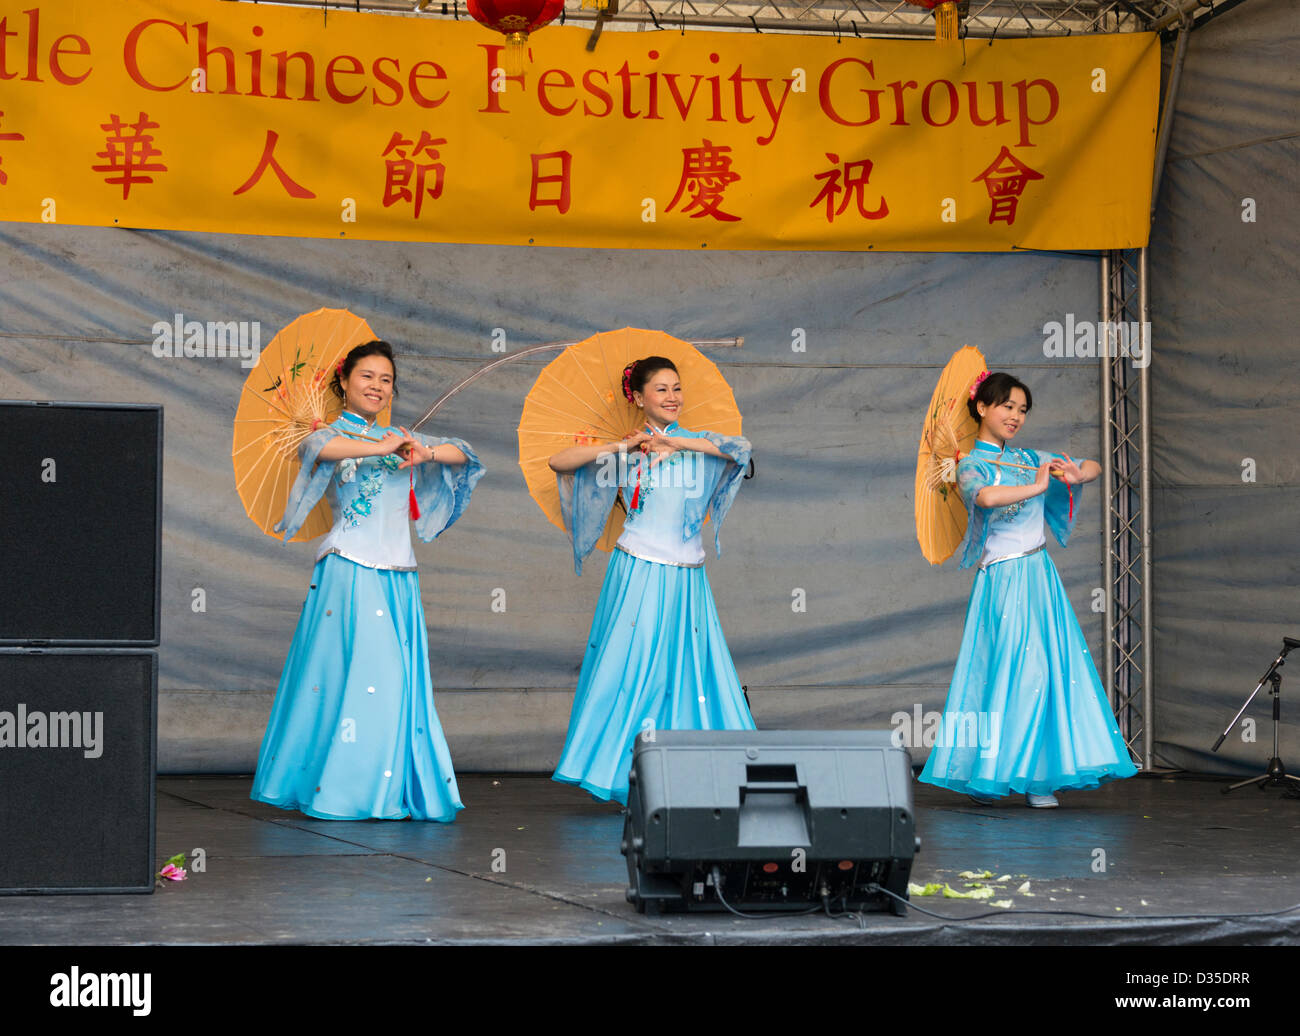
547 347
1009 464
357 435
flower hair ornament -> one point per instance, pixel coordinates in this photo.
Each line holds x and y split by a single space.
978 381
627 382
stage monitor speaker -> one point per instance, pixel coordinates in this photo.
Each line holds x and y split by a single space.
77 756
82 516
771 820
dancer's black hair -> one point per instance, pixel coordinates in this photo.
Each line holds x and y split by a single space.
637 373
996 390
360 352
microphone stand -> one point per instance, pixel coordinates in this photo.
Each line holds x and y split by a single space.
1275 776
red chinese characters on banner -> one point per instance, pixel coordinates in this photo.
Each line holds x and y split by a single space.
401 170
268 161
856 176
1005 179
4 177
706 173
561 180
130 153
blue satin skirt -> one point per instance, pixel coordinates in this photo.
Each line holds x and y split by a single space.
353 734
1026 711
656 659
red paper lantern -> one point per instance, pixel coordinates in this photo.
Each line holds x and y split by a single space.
514 19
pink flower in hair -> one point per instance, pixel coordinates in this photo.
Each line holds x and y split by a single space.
978 381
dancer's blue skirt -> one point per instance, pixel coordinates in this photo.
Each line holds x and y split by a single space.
656 660
1026 711
353 733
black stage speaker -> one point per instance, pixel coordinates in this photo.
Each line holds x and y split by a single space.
81 511
77 756
783 819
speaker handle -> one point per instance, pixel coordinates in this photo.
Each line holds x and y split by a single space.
773 788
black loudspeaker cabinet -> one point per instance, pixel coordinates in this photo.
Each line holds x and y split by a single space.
77 761
784 819
81 510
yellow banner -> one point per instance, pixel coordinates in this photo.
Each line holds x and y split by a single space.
238 118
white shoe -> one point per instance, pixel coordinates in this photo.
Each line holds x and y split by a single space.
982 800
1041 801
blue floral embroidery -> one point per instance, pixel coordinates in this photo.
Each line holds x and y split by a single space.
1015 477
372 483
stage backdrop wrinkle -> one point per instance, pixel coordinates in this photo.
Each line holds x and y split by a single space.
1224 375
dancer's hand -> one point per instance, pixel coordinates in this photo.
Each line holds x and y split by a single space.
662 447
1068 471
1044 478
414 453
393 443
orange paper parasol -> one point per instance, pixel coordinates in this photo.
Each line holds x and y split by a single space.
948 435
578 400
285 396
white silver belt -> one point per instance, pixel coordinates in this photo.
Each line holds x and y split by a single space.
660 561
368 564
1011 557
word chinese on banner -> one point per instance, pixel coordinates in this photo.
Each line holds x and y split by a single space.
240 118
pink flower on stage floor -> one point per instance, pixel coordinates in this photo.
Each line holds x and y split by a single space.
172 869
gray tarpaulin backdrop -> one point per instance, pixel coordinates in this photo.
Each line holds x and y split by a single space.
1226 388
827 520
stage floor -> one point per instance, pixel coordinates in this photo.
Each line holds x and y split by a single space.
1129 852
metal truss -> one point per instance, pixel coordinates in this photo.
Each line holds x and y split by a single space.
983 19
1126 480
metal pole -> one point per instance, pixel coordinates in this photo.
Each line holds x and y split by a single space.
1177 15
1148 681
1167 116
1108 492
1123 410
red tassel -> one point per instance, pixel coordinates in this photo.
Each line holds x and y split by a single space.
415 508
1071 518
636 493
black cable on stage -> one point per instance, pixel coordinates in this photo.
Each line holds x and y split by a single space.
717 891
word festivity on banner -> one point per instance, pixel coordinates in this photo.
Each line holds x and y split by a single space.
238 118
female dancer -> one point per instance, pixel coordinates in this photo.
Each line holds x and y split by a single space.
353 733
1024 676
656 657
